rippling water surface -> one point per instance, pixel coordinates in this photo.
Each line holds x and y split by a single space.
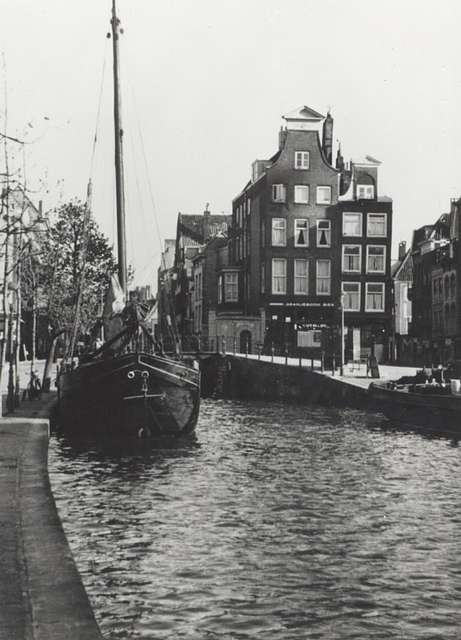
279 522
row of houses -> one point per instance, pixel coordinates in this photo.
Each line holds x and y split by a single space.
306 249
306 252
431 273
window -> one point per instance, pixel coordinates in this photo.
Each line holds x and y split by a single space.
376 258
301 233
323 284
279 232
323 233
376 225
365 191
278 193
301 194
351 296
231 293
301 159
311 338
279 276
301 277
375 296
323 195
263 278
352 258
220 290
352 224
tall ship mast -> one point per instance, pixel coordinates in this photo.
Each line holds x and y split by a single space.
128 387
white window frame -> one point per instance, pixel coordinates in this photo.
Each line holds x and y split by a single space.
281 228
369 190
328 233
349 309
302 160
355 213
279 193
377 235
323 200
283 277
383 289
297 277
322 278
376 246
231 286
296 197
220 289
296 228
343 254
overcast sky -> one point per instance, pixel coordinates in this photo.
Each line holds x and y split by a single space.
205 84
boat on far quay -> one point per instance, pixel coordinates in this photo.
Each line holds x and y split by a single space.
429 401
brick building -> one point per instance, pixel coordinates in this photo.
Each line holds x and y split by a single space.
307 235
435 327
178 305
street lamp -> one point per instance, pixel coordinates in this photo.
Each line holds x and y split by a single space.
341 370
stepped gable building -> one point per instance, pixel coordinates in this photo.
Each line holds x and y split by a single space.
435 294
307 235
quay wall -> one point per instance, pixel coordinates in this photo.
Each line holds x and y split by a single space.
237 377
42 593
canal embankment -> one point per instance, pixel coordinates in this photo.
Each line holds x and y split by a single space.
246 377
41 592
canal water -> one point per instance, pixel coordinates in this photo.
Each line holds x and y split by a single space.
279 522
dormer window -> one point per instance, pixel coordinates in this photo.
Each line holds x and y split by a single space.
365 191
301 159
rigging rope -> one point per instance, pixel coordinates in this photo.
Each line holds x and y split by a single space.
86 223
173 328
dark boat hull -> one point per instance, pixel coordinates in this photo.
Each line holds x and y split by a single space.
132 395
418 409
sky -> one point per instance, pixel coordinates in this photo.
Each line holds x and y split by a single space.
204 86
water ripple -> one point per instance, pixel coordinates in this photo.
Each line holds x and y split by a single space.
280 522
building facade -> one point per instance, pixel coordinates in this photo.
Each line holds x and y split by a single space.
435 328
308 237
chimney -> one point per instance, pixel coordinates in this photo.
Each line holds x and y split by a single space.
402 250
327 138
282 137
339 158
206 222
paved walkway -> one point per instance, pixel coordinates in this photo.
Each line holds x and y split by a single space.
41 593
352 375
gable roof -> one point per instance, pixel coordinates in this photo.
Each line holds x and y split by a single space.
196 229
304 114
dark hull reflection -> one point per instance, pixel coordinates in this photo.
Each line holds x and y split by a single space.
282 522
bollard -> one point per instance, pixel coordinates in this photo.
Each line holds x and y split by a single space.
300 361
322 362
235 344
312 364
333 367
272 352
286 357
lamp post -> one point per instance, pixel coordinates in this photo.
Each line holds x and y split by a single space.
341 370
